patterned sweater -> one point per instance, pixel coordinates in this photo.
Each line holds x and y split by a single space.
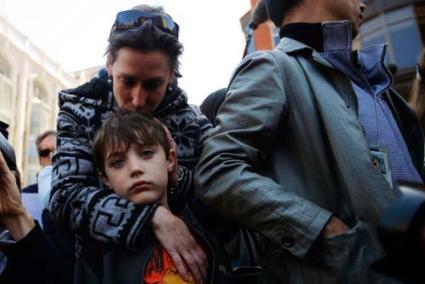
78 198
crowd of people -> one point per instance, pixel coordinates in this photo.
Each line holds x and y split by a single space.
279 178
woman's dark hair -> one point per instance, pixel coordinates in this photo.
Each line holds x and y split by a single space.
146 38
122 129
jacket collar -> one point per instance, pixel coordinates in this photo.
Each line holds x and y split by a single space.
336 36
292 47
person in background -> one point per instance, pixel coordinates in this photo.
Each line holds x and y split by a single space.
26 254
212 104
36 196
143 67
417 94
309 144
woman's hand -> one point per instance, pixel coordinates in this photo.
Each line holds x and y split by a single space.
10 199
13 214
177 240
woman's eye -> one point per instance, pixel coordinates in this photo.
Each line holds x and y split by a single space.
152 85
117 163
128 81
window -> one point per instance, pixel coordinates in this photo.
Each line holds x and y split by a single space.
405 55
396 28
39 116
250 40
4 67
6 92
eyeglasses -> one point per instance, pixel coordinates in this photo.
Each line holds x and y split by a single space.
133 18
45 152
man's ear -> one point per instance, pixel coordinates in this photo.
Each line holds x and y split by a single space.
171 161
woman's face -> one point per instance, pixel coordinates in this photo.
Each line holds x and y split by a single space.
140 79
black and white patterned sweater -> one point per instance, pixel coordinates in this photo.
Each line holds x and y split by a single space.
78 199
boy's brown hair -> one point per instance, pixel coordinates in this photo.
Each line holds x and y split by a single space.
122 129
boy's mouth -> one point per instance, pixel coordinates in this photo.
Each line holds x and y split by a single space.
139 186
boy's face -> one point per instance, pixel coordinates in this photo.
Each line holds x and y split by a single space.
140 174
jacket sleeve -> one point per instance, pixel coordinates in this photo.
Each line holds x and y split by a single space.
228 175
35 260
77 199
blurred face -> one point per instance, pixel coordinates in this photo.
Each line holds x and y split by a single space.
46 149
140 174
140 79
351 10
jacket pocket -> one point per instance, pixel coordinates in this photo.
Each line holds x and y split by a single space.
339 251
348 256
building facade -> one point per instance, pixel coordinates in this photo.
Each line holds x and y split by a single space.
29 84
400 24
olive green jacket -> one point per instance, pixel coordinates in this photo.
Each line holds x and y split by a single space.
288 152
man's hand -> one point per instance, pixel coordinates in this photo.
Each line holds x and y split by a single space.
175 237
334 228
13 214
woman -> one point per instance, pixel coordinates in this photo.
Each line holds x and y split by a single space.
142 64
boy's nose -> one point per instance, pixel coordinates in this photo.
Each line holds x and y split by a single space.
136 167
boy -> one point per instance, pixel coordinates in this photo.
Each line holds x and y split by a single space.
134 158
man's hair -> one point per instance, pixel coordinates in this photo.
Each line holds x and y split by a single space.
278 9
122 129
146 38
42 136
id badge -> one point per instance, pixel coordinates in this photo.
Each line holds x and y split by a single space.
382 164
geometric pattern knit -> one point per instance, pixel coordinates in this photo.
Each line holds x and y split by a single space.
79 200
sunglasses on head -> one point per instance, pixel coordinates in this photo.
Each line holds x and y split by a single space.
133 18
45 152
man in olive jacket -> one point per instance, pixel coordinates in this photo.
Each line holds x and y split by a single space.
309 146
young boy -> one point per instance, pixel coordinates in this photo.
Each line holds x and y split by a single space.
134 158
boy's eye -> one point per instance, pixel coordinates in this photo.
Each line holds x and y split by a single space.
117 163
147 153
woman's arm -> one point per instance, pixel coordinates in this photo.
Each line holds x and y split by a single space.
32 258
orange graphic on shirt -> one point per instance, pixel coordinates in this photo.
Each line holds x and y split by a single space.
162 270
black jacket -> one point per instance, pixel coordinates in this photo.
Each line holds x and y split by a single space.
104 263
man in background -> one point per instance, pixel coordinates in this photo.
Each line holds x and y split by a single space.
36 196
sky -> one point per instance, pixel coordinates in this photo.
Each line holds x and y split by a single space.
74 34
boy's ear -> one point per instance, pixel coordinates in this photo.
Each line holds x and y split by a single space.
171 161
105 179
